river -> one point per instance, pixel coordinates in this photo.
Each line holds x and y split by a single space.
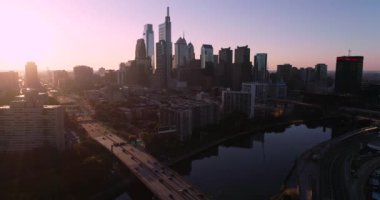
252 166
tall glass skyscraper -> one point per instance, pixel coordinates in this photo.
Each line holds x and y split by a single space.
165 34
148 36
260 67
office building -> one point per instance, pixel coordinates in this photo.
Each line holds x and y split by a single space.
140 52
185 115
260 67
27 124
59 76
181 55
242 68
165 34
239 101
284 72
207 55
348 74
224 67
149 41
190 48
320 72
162 70
83 77
31 79
9 86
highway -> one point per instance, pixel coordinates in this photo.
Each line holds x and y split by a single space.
161 180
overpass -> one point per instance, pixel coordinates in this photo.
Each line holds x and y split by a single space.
161 180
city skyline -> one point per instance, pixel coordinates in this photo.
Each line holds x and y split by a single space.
61 35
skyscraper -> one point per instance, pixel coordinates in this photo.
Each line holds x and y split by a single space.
190 48
320 72
260 67
165 34
242 54
242 69
181 56
224 68
149 41
207 55
31 76
141 67
83 77
348 74
284 71
161 65
140 49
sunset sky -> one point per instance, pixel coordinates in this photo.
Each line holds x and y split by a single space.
59 34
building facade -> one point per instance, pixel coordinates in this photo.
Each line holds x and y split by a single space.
149 41
165 34
260 67
27 124
348 74
31 79
207 55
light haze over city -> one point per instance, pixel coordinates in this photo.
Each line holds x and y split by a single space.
62 34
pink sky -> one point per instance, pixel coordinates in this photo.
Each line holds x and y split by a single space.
61 34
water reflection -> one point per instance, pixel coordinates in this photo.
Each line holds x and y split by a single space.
252 166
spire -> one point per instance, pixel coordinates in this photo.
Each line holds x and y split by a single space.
167 10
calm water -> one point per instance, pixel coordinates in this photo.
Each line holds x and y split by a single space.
252 166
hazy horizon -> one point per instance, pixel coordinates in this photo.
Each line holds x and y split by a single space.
63 34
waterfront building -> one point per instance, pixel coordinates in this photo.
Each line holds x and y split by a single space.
348 74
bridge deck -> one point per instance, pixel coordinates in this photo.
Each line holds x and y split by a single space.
161 180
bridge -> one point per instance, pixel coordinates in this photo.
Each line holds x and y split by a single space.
161 180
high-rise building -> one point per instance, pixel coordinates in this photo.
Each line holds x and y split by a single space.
242 69
9 84
348 74
31 76
140 49
162 69
60 76
26 124
320 72
190 47
207 55
260 67
83 77
165 34
224 68
284 72
149 41
181 56
242 54
141 67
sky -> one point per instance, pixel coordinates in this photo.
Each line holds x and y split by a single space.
60 34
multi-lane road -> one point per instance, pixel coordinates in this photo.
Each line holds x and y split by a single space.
161 180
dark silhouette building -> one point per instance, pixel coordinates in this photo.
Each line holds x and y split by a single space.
260 67
348 74
224 67
284 72
149 41
83 77
140 49
31 76
165 34
242 69
162 68
9 84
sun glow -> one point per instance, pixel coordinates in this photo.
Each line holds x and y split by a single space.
24 36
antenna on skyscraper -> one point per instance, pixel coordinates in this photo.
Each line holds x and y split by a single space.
167 10
349 52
